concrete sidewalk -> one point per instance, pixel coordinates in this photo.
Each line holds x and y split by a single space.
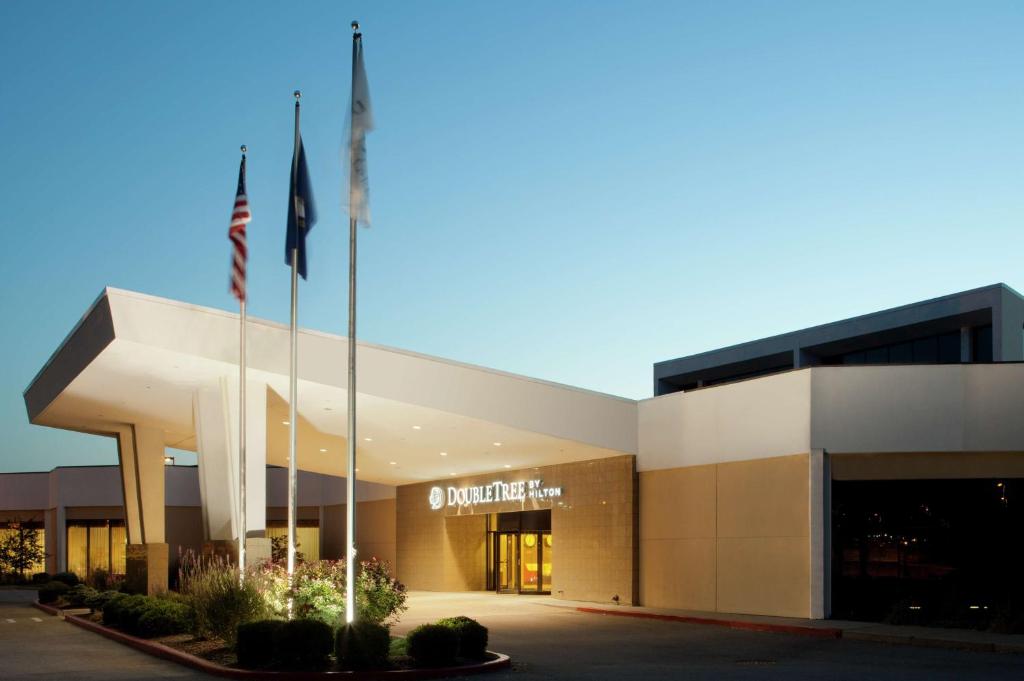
929 637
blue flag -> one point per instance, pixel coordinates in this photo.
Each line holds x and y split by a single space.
301 211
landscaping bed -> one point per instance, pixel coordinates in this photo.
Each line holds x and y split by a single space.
265 625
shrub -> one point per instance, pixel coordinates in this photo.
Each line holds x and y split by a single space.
100 599
130 611
161 617
363 645
433 645
471 634
41 578
220 600
379 598
304 644
79 594
52 591
256 642
69 578
320 599
112 609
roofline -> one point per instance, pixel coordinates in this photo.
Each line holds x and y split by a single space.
359 343
931 301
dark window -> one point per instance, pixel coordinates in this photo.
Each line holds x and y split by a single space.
949 348
901 353
982 343
926 350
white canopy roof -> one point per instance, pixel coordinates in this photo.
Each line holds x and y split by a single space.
135 358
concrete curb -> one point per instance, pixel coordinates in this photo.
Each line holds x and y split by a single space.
167 653
818 632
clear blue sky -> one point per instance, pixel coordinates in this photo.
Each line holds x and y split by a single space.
569 190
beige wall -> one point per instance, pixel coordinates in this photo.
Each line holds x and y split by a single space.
730 537
593 531
375 531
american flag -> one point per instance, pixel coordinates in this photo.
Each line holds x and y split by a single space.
240 216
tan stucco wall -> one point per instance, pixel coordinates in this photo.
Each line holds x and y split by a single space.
593 530
375 531
729 537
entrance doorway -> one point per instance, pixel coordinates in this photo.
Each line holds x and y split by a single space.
520 548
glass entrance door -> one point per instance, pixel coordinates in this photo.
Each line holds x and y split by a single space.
506 557
535 562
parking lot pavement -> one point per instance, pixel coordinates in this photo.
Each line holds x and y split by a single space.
545 643
39 647
556 643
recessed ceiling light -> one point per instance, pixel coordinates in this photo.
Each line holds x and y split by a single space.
508 466
286 423
444 453
451 474
497 444
322 449
357 470
393 463
417 427
368 439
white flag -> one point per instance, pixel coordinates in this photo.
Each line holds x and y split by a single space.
361 117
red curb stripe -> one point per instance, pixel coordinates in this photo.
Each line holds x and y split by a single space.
48 609
817 632
174 655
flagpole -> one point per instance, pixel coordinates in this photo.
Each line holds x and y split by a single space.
350 482
293 378
242 531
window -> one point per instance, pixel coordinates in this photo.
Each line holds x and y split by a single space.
96 545
307 536
30 528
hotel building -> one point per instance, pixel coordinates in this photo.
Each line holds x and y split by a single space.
800 475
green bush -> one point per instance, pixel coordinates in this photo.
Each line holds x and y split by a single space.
472 636
433 645
52 591
220 600
304 644
100 600
163 617
131 611
41 578
363 645
112 609
77 596
69 578
256 642
379 597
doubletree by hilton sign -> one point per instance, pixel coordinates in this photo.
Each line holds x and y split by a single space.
494 493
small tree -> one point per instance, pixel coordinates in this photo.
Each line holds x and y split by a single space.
20 549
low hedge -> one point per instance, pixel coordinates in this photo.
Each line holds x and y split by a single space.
69 578
79 594
471 634
146 616
52 591
163 618
304 644
433 645
363 645
41 578
256 642
101 598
